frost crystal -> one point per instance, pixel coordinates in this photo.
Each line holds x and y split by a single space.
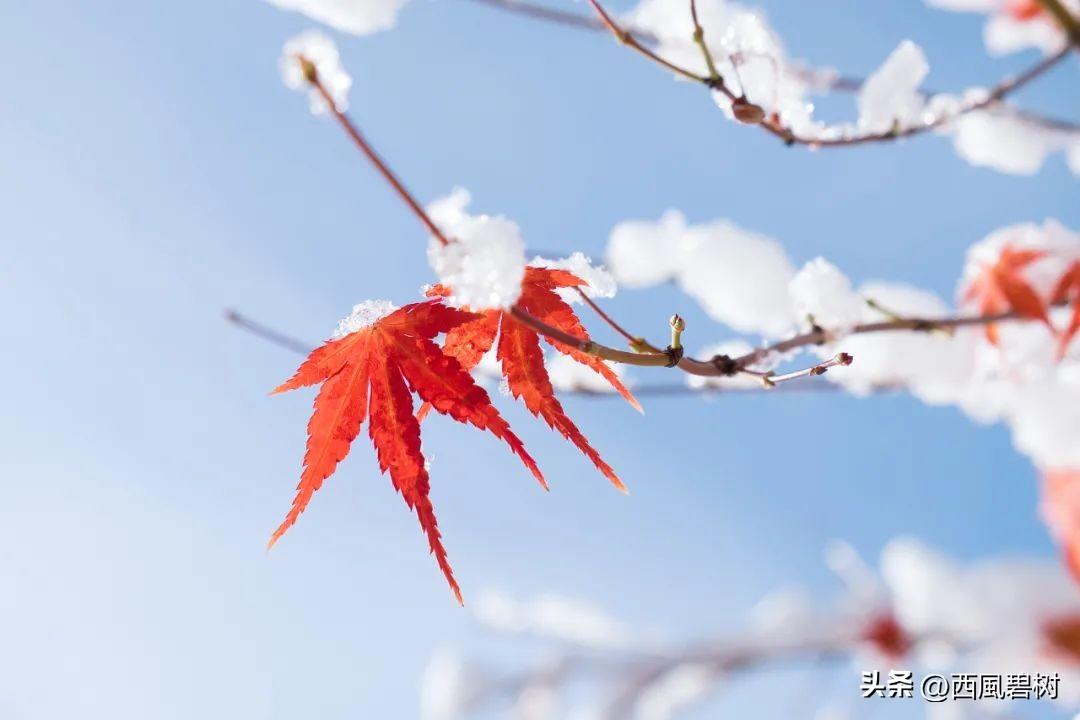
891 94
321 51
821 292
599 282
366 313
359 17
484 263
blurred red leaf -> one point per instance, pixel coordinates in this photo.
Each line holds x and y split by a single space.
1068 289
1001 287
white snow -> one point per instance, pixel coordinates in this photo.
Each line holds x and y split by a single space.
320 50
363 315
484 263
359 17
819 291
599 282
738 277
550 616
890 96
1008 143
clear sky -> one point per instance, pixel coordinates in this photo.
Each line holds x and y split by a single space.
154 172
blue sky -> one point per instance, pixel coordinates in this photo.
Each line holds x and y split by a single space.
155 172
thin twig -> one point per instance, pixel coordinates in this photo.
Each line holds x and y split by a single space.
699 40
638 343
267 333
590 347
637 40
998 93
819 336
627 38
842 359
709 368
365 147
298 347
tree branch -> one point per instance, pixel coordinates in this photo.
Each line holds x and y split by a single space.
298 347
672 356
638 40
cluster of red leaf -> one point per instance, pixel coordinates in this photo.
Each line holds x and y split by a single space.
372 374
522 358
1002 287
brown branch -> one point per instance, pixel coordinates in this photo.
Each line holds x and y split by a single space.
547 14
637 40
1065 19
637 343
627 38
590 347
998 93
632 672
366 148
820 336
672 356
293 345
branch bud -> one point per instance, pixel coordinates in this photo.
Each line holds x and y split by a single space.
308 69
747 112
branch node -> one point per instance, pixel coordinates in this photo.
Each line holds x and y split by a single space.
675 354
725 365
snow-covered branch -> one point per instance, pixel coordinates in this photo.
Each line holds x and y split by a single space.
919 611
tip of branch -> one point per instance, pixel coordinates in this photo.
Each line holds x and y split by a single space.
308 69
747 112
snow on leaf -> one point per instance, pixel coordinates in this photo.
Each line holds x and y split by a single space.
484 263
598 281
372 374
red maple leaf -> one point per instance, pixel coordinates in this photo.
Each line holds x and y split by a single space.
1001 287
1060 510
1068 288
1023 10
522 358
368 374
